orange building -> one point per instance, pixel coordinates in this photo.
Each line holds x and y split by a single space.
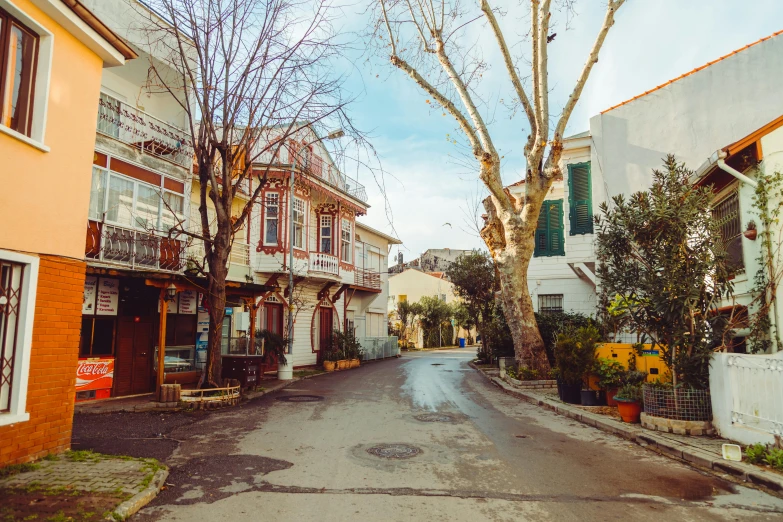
54 52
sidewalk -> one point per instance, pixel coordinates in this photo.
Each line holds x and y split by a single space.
79 485
703 452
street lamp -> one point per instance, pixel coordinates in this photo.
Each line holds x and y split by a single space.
285 371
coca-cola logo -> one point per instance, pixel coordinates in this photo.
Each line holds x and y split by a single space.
92 368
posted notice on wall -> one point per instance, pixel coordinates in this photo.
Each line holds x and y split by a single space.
90 289
108 296
188 302
171 306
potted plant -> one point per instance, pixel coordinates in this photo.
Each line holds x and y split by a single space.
348 348
574 353
751 231
610 377
629 402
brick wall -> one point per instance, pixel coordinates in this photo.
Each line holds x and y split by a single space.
55 353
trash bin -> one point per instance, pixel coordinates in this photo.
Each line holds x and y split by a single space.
462 342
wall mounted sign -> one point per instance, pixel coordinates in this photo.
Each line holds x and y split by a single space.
188 302
108 296
90 289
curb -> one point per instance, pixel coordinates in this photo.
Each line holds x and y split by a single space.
140 499
773 482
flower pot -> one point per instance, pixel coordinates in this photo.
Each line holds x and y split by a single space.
355 363
330 366
751 234
343 364
571 393
590 398
610 393
629 410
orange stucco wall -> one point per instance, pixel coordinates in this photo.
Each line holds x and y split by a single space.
45 195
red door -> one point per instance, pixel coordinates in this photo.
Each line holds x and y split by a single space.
273 322
325 331
133 365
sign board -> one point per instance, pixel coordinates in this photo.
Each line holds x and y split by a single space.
188 302
171 306
650 353
108 296
94 374
90 289
202 333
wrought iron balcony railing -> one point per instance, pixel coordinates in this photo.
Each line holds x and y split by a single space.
147 133
367 279
133 248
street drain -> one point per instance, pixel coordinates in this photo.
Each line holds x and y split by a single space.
437 364
434 417
300 398
394 451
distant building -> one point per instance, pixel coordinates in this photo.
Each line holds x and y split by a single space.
433 260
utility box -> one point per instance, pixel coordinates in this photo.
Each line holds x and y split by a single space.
244 368
242 321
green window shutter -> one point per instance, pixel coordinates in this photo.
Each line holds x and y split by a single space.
549 230
580 213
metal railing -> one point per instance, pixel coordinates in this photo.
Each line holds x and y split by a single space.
324 263
240 252
378 347
367 278
757 391
116 245
149 134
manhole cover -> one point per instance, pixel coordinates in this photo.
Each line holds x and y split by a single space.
300 398
394 451
437 364
434 417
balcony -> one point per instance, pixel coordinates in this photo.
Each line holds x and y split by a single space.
324 263
138 129
132 248
369 279
240 253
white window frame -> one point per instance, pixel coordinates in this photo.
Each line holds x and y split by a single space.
321 236
21 375
43 73
346 245
303 223
275 195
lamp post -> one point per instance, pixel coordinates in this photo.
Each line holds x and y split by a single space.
285 372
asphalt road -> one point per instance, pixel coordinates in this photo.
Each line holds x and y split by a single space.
494 459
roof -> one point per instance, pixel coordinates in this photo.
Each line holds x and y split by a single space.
392 240
697 69
437 275
95 23
585 134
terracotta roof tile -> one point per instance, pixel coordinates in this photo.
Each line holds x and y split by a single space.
693 71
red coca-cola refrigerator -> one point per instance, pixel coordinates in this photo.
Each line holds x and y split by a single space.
94 378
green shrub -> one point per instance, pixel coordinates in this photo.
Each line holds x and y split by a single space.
775 458
610 373
629 392
634 377
528 374
575 353
511 372
552 324
755 453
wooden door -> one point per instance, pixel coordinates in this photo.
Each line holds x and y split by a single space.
325 331
273 322
133 365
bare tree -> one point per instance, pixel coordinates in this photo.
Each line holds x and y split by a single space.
250 75
426 39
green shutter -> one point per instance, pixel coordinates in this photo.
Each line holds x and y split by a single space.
580 213
549 230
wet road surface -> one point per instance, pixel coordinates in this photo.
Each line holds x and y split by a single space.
464 451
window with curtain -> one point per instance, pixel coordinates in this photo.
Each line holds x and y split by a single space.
326 234
18 50
580 203
299 223
346 241
271 218
549 232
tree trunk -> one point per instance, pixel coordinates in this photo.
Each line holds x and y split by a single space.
217 260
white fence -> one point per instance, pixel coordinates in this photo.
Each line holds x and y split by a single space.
747 396
379 347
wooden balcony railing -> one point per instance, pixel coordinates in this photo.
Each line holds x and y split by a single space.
367 279
133 248
324 263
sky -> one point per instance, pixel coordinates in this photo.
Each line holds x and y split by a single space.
429 186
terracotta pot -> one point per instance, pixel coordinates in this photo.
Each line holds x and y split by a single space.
330 366
610 393
751 234
343 364
629 410
355 363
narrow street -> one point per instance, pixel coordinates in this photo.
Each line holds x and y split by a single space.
484 456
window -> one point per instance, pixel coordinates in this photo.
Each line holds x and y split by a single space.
326 234
727 213
550 303
580 203
346 241
403 298
173 211
97 336
317 166
18 282
271 218
18 53
443 297
299 223
549 232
